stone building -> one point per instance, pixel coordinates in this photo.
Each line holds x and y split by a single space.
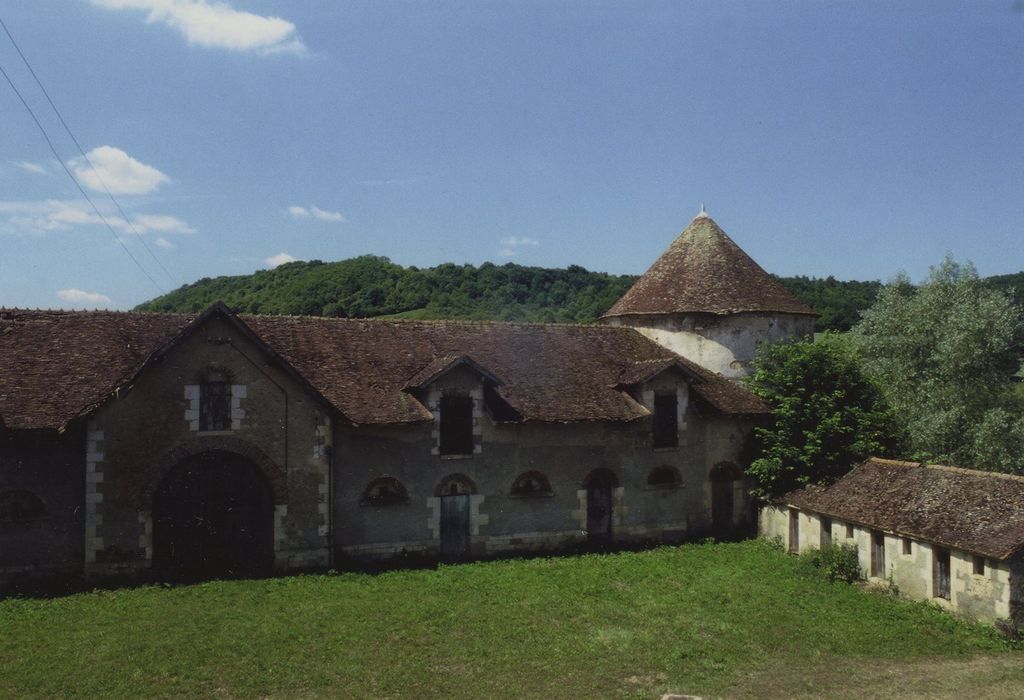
218 444
952 536
707 300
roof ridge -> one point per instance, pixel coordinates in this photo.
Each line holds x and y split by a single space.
946 468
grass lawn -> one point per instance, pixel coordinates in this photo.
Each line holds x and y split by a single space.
724 619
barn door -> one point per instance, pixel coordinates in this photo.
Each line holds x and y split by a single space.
599 506
455 525
213 518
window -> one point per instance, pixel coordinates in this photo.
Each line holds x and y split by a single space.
215 406
664 477
666 420
877 554
979 566
20 507
940 573
907 546
456 425
385 491
531 484
794 531
826 532
849 531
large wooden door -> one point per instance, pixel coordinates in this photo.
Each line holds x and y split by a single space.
213 517
599 505
455 525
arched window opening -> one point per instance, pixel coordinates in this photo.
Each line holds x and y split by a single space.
531 484
664 477
385 491
456 485
20 507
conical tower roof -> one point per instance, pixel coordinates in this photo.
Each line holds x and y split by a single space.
704 271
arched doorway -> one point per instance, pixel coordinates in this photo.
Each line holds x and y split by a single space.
723 477
213 517
599 485
454 491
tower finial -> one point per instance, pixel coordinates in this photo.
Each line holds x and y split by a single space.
703 212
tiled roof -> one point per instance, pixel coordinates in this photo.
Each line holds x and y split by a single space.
973 511
704 271
55 366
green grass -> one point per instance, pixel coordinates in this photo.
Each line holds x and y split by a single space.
697 618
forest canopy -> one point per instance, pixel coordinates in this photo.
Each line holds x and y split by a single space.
371 286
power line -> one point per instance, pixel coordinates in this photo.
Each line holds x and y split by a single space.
82 151
75 180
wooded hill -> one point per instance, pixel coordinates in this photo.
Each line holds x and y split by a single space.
370 286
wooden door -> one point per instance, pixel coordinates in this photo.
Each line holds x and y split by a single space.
455 525
599 510
721 508
941 573
212 518
878 554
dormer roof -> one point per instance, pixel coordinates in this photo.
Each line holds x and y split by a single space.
704 271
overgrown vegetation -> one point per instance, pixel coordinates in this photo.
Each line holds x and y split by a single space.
827 415
943 354
709 619
836 562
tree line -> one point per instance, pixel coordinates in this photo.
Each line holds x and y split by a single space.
372 286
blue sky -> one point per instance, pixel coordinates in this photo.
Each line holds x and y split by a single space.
852 139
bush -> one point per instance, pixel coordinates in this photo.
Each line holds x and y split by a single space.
834 562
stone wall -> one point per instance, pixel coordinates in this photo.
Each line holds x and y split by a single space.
51 467
724 344
985 596
564 453
138 437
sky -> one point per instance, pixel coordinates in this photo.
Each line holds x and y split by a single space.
853 139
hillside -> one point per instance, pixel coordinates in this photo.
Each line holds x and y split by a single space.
370 286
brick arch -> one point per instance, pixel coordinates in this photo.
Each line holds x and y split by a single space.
274 474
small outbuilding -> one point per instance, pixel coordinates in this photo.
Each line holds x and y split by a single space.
953 536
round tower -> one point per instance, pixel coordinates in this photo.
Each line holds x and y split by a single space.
707 300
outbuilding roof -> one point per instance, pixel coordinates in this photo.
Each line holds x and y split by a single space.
704 271
58 365
974 511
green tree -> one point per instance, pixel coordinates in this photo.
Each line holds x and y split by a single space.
943 354
827 415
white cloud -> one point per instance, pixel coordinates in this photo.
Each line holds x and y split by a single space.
217 25
510 247
77 296
316 212
30 167
324 215
161 222
114 168
64 215
164 243
279 259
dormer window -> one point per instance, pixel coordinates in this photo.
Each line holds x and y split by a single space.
214 406
666 419
456 425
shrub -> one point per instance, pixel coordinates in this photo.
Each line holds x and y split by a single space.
834 562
